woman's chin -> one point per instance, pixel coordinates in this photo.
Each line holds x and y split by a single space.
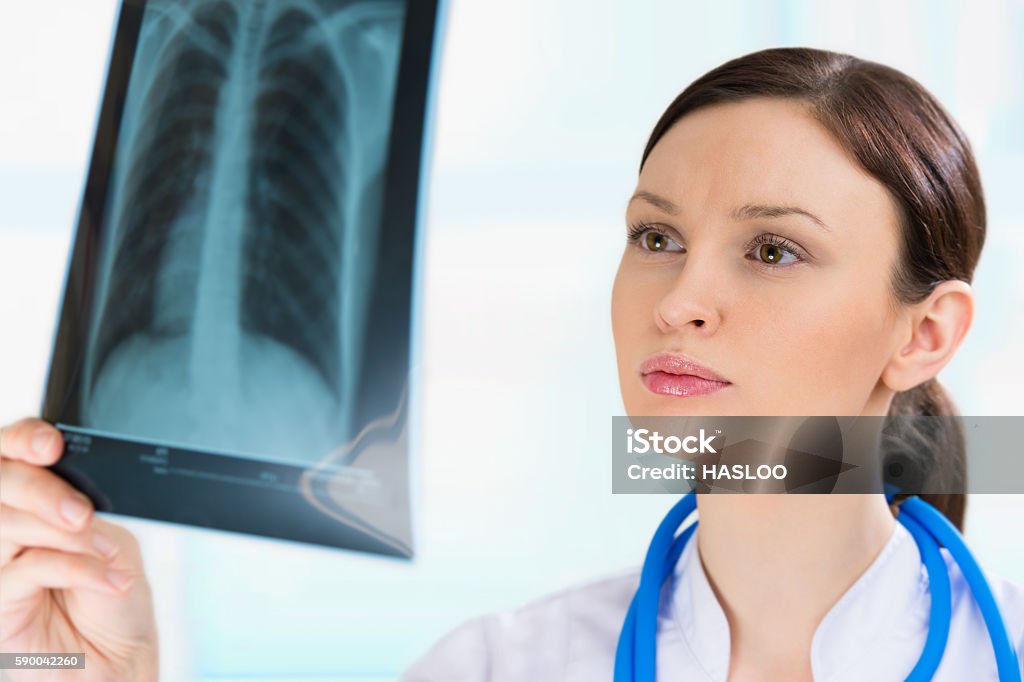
721 403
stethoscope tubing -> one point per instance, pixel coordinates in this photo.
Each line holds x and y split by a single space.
636 650
945 533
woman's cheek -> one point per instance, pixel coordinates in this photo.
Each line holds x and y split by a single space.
797 360
836 372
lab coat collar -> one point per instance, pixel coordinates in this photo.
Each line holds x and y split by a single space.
885 607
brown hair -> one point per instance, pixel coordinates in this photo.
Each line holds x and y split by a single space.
901 135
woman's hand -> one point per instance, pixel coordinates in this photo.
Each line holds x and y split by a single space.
69 582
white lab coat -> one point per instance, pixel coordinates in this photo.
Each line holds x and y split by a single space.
874 632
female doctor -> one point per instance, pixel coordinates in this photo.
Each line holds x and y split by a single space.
800 242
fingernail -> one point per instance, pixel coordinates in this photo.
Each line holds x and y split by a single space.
104 545
118 579
42 441
74 508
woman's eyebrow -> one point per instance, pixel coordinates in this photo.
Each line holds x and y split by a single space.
656 201
753 211
745 212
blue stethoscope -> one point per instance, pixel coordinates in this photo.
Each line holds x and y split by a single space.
636 650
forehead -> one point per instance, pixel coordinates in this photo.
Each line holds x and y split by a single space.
762 151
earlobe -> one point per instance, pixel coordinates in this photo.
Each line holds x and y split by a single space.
938 326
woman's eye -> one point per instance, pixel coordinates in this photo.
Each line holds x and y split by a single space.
658 242
772 253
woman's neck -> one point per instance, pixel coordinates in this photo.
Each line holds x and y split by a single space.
778 563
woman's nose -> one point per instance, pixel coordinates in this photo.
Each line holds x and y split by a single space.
691 301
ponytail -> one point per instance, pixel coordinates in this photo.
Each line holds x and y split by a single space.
934 447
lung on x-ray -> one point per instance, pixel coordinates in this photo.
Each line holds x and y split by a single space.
233 348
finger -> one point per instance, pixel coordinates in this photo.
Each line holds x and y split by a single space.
31 440
43 493
38 569
128 555
20 529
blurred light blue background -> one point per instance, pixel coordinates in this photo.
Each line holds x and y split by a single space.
543 111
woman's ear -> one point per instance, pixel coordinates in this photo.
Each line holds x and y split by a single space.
935 328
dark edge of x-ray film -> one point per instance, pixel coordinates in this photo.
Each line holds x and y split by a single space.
225 466
901 455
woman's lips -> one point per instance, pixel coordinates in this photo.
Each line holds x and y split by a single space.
681 385
677 375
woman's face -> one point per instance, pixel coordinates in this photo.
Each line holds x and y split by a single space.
763 252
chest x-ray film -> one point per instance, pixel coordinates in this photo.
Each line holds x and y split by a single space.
233 348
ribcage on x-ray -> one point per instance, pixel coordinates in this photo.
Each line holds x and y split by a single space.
291 251
168 176
246 197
